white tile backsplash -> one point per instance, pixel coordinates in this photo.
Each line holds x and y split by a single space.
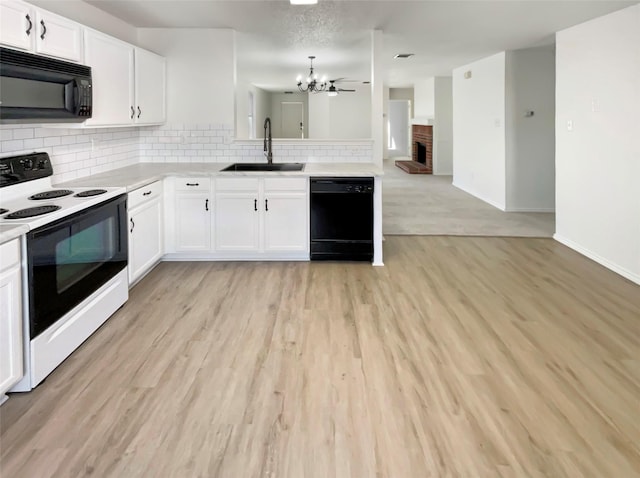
74 152
77 152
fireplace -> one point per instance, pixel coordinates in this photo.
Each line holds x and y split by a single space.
421 153
422 150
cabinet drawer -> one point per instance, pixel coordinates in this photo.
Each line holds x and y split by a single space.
9 254
237 184
285 184
198 183
144 194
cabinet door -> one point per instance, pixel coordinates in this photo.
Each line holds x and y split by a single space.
193 222
58 36
111 61
150 87
17 25
237 221
11 370
145 238
285 222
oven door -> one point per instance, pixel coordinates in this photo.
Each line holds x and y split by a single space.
69 259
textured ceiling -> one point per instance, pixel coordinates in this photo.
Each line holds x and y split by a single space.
275 38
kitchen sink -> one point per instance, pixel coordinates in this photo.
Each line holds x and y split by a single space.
265 167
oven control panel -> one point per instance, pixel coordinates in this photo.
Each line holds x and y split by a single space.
26 167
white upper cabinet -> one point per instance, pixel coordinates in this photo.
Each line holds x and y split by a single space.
111 62
32 29
57 36
150 87
128 82
17 25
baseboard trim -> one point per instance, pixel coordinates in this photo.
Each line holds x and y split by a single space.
530 209
598 258
474 194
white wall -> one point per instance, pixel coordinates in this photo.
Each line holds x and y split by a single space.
403 94
90 16
598 161
530 140
443 126
399 129
263 110
396 94
424 99
200 72
345 116
319 124
478 129
385 124
351 114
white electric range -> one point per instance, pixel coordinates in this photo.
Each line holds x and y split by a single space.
74 260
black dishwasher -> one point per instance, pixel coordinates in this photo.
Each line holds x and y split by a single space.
341 219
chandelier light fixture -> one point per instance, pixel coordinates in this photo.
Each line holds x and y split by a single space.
312 84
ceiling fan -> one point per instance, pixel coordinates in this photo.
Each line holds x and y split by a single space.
333 90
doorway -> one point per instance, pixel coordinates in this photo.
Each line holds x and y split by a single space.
399 139
292 119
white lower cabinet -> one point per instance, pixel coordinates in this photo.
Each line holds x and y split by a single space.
11 345
192 214
237 217
146 229
263 216
286 216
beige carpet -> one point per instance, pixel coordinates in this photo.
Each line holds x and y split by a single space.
424 204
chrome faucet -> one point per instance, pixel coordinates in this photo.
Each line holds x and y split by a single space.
267 140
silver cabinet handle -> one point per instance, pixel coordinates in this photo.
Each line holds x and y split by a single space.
206 205
133 112
139 112
266 204
255 204
30 25
193 184
44 29
147 193
133 224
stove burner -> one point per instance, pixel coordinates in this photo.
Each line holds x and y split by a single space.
2 210
32 211
55 193
92 192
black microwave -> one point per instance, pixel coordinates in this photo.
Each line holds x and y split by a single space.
37 88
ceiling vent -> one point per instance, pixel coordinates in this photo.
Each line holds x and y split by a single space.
404 55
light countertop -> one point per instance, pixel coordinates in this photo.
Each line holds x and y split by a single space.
9 232
141 174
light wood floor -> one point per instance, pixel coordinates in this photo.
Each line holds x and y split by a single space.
463 357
